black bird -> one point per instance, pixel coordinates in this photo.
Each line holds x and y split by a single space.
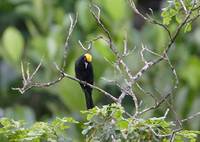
84 72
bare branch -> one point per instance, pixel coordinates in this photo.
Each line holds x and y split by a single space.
36 70
71 28
132 4
191 117
135 102
28 71
121 97
27 79
125 47
147 93
184 7
85 49
142 55
22 70
173 134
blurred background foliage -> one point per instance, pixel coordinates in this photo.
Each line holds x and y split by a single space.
34 29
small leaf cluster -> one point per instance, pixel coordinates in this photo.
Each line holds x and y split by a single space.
16 131
110 124
175 12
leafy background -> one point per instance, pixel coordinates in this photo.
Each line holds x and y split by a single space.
35 29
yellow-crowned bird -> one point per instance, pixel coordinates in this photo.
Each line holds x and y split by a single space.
84 72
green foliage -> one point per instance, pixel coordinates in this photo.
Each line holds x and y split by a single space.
109 123
16 131
174 12
32 29
103 124
13 43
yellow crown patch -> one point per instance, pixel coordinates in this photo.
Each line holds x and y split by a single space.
88 57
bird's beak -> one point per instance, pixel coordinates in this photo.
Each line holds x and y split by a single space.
86 64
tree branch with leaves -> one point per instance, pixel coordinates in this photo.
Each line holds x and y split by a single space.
112 115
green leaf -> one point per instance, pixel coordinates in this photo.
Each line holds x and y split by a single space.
61 123
188 27
13 43
177 5
122 124
189 134
167 20
172 12
178 19
165 13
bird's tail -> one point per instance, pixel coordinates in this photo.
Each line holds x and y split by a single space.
88 98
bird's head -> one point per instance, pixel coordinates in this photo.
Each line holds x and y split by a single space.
87 59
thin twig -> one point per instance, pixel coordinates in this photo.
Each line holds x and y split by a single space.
184 7
71 28
191 117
